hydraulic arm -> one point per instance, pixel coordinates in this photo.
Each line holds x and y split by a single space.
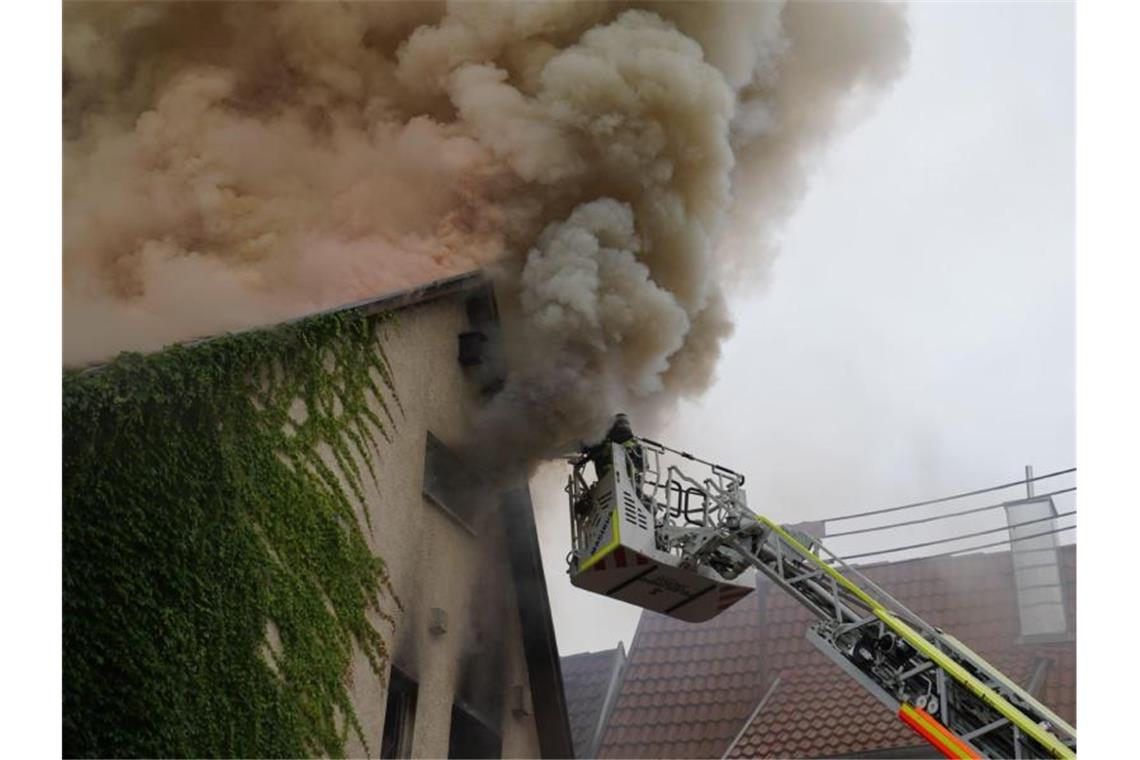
646 532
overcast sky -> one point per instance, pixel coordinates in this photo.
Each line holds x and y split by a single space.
917 334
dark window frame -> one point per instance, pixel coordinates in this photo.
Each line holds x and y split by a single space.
442 485
470 736
399 716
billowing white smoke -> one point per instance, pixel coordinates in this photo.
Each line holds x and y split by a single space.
230 164
583 283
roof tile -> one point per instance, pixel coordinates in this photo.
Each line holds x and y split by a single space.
586 678
689 688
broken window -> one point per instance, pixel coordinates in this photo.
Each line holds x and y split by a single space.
448 483
399 716
471 737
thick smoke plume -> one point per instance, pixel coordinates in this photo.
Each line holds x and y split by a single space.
614 163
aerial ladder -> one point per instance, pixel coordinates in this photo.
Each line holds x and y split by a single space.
647 532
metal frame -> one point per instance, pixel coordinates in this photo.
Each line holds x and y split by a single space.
890 651
930 670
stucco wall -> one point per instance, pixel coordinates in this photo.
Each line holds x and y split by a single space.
432 560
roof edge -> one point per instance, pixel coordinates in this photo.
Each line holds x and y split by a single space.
619 663
390 301
399 299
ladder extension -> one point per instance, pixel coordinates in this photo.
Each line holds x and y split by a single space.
646 532
929 678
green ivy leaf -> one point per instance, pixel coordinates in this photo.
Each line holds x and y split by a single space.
196 519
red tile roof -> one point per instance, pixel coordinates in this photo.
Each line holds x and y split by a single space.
972 597
690 688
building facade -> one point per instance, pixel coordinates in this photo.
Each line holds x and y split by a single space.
474 663
197 559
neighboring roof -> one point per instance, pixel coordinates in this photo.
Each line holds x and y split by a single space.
816 711
690 688
591 680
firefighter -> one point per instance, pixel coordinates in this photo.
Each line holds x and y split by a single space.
585 503
621 432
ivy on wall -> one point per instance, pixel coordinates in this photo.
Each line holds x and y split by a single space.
215 575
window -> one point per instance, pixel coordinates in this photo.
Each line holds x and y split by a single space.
1036 572
471 737
448 484
399 716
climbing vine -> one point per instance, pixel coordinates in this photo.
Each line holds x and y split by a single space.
215 575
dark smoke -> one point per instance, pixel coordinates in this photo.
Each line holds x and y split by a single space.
615 164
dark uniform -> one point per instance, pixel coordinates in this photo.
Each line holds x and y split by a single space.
600 454
621 433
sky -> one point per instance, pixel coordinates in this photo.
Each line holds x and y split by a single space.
916 335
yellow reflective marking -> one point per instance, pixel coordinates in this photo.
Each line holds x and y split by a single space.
615 539
839 577
988 695
1052 716
931 652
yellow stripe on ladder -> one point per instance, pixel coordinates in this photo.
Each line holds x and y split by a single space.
933 653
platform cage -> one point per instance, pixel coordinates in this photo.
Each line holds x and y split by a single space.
637 510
